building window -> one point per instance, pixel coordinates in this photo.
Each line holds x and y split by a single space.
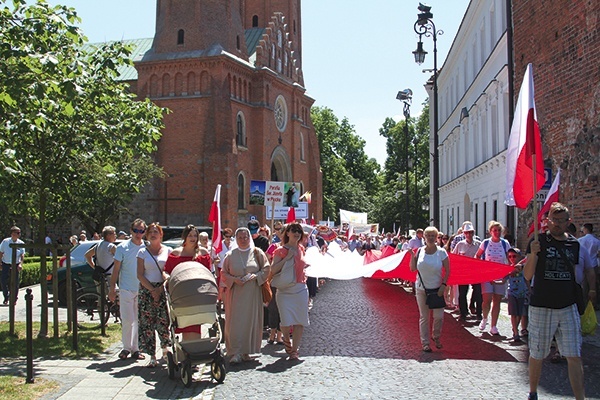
241 192
255 21
240 123
280 113
180 36
237 41
301 146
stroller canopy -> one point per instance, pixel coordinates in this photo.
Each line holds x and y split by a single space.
192 284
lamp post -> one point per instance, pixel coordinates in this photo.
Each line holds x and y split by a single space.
425 27
405 96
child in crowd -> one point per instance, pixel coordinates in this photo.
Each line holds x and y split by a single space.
518 296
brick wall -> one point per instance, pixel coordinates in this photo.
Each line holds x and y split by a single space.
562 40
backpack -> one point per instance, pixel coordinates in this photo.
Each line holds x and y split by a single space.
486 242
99 272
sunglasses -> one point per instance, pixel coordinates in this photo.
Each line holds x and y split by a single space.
512 256
135 230
295 230
227 236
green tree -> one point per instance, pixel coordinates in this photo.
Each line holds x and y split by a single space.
70 130
350 178
406 172
74 130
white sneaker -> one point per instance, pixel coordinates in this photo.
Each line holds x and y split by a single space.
236 359
483 324
494 331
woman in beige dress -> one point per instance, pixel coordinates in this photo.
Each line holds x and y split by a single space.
245 268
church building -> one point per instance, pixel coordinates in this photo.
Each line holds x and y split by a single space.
230 72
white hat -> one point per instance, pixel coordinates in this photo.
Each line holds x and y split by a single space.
468 228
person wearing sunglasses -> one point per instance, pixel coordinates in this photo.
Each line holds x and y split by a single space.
292 300
125 270
558 262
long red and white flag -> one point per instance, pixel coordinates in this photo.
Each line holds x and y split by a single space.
215 218
552 197
525 144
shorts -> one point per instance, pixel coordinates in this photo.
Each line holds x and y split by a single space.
496 288
563 323
517 305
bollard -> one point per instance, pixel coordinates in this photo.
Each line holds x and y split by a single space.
74 315
29 338
103 316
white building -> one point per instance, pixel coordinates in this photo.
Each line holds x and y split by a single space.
473 120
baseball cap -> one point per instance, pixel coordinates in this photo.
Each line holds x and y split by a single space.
468 228
253 226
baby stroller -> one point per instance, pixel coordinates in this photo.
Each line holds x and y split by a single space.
192 299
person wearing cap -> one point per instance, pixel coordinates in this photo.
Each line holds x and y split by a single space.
259 241
468 247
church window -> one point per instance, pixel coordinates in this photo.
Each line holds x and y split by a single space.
301 146
241 189
240 137
255 21
280 113
180 36
279 39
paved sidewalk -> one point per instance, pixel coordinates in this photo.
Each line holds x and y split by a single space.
362 343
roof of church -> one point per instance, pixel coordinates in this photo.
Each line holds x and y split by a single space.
141 46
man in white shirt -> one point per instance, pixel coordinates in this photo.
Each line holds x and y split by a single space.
125 270
6 253
416 242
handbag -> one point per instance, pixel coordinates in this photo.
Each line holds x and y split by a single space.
265 288
286 277
433 301
577 289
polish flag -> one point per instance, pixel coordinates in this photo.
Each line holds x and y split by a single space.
524 144
551 198
291 216
312 220
215 218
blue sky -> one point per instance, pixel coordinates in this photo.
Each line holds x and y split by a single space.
356 54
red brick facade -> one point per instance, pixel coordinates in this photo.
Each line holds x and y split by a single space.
201 69
562 40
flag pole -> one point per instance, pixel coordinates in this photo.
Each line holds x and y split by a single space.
535 204
272 221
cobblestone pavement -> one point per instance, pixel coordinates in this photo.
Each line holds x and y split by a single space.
363 343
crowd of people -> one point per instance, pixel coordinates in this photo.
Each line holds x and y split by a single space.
539 289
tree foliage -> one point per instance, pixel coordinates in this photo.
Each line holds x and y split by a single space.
350 178
75 141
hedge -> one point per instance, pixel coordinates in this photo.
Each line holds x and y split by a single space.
30 274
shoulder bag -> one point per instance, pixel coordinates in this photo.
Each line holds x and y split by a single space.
265 288
286 277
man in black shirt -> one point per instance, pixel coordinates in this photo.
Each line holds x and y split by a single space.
259 241
552 309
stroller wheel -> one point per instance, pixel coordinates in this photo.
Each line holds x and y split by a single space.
217 370
186 374
171 365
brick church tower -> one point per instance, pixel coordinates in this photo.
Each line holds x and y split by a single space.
230 74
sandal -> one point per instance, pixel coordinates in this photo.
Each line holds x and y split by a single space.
426 348
294 355
288 346
136 355
123 354
152 364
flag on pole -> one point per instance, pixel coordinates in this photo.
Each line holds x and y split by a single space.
215 218
350 232
525 144
312 219
291 216
551 198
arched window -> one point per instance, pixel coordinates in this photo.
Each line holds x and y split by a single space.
241 191
301 146
180 36
255 21
240 124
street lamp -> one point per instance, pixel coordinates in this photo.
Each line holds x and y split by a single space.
425 27
405 96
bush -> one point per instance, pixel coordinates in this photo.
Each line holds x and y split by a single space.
30 274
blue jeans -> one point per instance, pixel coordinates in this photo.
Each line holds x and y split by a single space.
5 280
